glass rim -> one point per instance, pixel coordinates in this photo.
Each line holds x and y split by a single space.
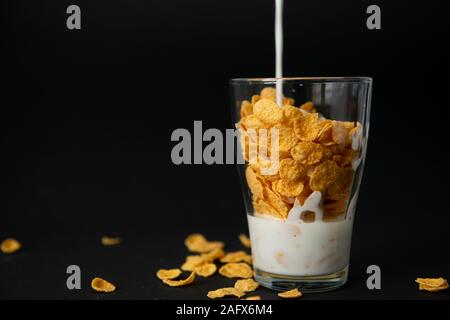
301 79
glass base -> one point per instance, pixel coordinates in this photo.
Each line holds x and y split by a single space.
306 284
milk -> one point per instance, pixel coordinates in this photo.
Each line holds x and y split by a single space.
296 248
279 50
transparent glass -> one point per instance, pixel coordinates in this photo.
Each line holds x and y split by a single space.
301 171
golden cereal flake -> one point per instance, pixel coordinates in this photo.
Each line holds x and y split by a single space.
342 183
276 202
245 240
168 273
291 169
339 133
205 270
253 298
215 254
262 207
288 188
220 293
192 262
253 182
308 153
110 241
236 270
101 285
246 285
267 111
307 127
308 107
198 243
237 256
323 175
286 137
10 245
432 284
246 108
294 293
180 283
255 99
291 115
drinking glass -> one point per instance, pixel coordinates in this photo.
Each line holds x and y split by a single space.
300 212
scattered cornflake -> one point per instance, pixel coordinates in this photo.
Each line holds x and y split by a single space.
192 262
110 241
205 270
245 240
168 273
294 293
246 285
252 298
236 270
10 245
101 285
179 283
432 284
198 243
213 255
236 256
220 293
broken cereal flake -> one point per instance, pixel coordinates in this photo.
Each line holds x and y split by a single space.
10 245
236 256
168 273
205 270
220 293
253 298
262 207
294 293
276 202
101 285
192 262
308 153
432 284
198 243
236 270
253 182
323 175
110 241
339 133
246 285
246 108
245 240
288 188
255 98
267 111
307 127
180 283
271 94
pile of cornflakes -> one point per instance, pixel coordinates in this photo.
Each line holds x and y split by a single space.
314 154
237 264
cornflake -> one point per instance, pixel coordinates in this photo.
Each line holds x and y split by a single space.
267 111
205 270
236 256
168 273
220 293
291 169
308 152
253 182
323 175
294 293
198 243
246 108
10 245
253 298
432 284
110 241
246 285
192 262
307 128
215 254
245 240
236 270
101 285
179 283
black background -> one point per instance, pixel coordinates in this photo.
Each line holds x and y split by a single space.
86 118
